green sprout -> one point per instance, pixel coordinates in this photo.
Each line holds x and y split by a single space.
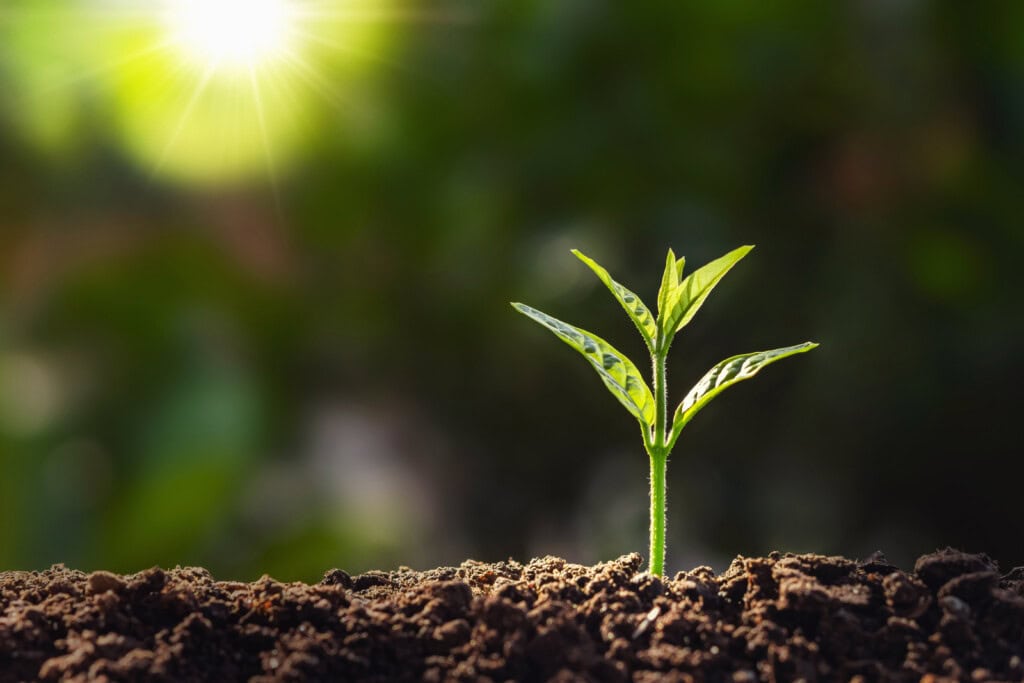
679 299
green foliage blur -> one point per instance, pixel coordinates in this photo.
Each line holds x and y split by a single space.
313 364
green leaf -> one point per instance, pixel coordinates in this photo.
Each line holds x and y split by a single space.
618 372
635 308
724 375
693 291
669 282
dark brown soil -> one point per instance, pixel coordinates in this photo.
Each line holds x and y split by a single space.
780 618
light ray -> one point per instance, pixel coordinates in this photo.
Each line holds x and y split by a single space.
186 114
268 152
346 49
315 80
99 71
61 14
330 11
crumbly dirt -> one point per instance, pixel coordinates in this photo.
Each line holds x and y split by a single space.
772 619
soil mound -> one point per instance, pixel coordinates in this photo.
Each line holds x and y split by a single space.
772 619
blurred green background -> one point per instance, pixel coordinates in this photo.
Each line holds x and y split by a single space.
258 321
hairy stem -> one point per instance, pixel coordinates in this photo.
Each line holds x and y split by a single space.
660 404
659 463
659 460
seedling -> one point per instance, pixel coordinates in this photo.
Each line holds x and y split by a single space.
679 299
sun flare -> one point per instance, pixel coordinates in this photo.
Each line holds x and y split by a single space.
237 34
213 92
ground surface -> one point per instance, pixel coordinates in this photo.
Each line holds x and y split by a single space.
780 618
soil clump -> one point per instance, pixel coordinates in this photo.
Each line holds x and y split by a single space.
955 617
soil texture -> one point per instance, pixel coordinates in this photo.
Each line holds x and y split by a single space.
955 617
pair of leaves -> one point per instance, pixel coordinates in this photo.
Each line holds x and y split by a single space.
684 300
679 299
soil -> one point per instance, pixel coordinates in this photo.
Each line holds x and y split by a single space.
777 618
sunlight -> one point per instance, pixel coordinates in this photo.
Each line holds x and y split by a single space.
231 33
205 92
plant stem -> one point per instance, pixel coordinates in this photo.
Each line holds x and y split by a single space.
659 461
660 416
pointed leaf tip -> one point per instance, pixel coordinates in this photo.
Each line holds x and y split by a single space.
727 373
669 283
692 291
617 372
630 302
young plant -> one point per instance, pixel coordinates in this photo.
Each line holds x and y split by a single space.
679 299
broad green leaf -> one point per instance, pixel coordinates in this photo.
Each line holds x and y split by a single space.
635 308
693 291
618 372
724 375
669 282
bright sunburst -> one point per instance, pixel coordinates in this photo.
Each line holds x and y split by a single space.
231 33
201 91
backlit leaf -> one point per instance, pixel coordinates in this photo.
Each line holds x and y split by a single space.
693 291
724 375
634 307
618 372
669 281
